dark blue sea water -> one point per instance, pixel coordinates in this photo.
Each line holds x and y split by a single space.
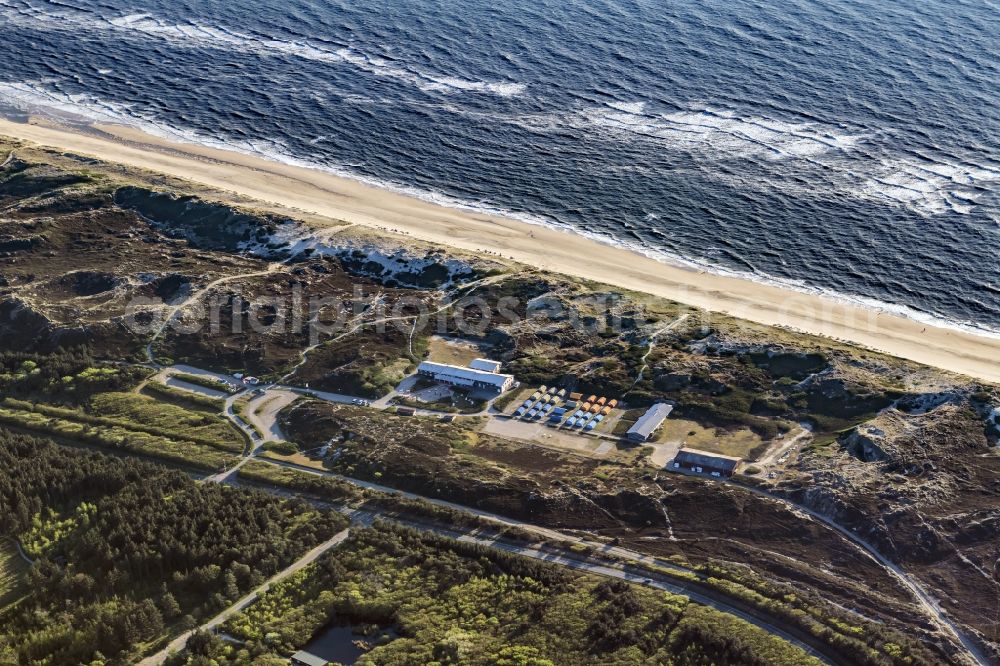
845 146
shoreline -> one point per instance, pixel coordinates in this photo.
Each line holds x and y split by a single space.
299 190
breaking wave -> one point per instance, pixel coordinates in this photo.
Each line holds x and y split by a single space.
196 35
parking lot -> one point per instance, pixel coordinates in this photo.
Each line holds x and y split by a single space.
538 433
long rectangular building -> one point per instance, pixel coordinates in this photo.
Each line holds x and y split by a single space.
706 462
469 377
649 422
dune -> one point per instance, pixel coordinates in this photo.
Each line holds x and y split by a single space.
322 195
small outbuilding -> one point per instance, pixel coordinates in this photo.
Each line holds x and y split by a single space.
486 365
303 658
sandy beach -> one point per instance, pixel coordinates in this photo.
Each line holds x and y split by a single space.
317 193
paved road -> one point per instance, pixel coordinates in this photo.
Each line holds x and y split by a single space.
785 448
646 578
605 562
927 602
262 411
255 439
922 597
208 374
178 643
608 568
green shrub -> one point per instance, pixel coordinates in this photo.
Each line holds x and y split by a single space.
282 448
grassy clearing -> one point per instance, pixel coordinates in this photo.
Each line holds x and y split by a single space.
741 443
454 352
180 451
295 458
242 409
142 414
166 419
627 420
183 399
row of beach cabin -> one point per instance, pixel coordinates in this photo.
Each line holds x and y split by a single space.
568 411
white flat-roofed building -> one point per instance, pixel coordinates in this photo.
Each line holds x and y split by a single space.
469 377
649 422
486 365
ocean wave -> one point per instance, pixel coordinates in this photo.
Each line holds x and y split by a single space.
197 35
35 97
718 133
808 158
931 188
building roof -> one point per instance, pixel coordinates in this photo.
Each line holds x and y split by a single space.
707 459
467 374
303 657
651 420
485 364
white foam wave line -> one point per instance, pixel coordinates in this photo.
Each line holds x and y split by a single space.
929 188
35 98
276 152
194 35
720 130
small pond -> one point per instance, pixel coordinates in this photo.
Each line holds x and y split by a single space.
344 643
